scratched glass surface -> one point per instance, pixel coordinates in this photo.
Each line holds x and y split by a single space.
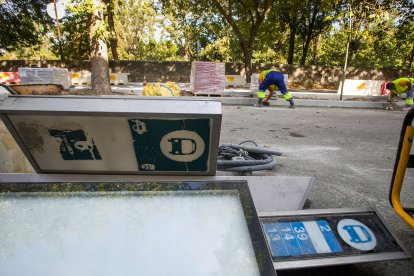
124 233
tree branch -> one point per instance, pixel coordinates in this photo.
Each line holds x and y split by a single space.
248 10
233 24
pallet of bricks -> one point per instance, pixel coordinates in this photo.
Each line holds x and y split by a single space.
207 78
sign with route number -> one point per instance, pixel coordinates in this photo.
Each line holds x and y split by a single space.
301 238
320 237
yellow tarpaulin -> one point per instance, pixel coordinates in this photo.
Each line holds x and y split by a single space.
167 89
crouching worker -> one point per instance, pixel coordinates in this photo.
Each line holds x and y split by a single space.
399 86
268 80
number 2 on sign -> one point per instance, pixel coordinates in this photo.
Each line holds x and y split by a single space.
324 228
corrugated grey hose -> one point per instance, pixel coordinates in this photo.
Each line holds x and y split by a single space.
245 159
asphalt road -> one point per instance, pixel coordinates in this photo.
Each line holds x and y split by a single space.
350 152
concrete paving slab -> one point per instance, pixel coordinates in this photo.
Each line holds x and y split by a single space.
243 96
308 103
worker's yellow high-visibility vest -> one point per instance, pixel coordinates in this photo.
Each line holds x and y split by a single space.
400 85
264 73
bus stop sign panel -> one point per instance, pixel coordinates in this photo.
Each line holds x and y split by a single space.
178 145
326 237
115 135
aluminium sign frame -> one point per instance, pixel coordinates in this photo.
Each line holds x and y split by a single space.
331 259
185 142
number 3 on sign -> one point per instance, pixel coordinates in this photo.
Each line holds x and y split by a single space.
299 229
301 235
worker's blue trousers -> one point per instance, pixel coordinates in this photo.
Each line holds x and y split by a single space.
273 78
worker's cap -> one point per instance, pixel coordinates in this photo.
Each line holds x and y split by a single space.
390 86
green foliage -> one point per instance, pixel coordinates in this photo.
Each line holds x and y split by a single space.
75 37
160 51
271 46
82 6
35 52
189 25
304 21
375 28
404 35
295 31
23 23
219 51
86 8
333 48
136 24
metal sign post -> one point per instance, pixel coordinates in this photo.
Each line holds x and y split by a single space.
52 11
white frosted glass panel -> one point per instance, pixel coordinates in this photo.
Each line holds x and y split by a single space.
124 233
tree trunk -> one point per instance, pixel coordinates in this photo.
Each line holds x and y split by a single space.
292 36
316 49
99 54
112 40
186 51
256 19
308 37
248 64
305 48
410 62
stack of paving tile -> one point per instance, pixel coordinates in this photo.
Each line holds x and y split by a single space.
207 77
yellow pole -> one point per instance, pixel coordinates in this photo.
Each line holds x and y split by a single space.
399 177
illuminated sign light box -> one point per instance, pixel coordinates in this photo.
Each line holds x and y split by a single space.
307 238
164 228
115 135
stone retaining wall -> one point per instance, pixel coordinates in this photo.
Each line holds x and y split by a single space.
154 71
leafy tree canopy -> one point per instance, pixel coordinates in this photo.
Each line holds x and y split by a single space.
381 32
23 23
